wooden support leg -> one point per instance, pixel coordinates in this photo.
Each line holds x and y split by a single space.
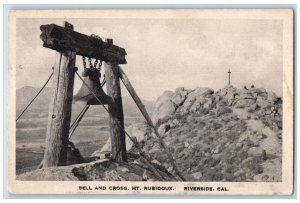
60 109
117 135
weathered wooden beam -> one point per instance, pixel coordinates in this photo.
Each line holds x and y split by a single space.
60 108
61 39
116 117
135 97
144 112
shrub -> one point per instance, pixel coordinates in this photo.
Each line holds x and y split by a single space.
229 177
218 176
253 165
179 148
256 168
214 125
179 116
215 161
193 134
201 124
175 141
162 121
231 160
204 111
190 119
224 110
250 110
212 175
211 113
242 154
161 157
225 119
206 149
232 135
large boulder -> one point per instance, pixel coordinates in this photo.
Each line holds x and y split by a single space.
163 128
247 96
242 103
203 91
165 110
164 106
209 103
227 89
257 152
259 91
196 175
272 97
187 104
179 96
167 95
229 98
195 99
262 103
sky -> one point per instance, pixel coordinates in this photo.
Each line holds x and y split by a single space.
163 54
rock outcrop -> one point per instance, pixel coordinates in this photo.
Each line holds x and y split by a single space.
101 170
183 101
226 135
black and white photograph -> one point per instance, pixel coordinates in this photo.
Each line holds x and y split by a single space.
157 101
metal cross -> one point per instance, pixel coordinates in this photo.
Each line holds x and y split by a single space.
229 77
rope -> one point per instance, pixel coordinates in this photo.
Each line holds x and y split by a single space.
80 115
35 97
103 106
135 143
78 119
103 82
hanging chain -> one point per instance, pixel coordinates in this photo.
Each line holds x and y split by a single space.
90 59
84 63
90 62
96 60
95 63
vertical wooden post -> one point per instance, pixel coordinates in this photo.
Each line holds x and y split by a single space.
60 108
116 120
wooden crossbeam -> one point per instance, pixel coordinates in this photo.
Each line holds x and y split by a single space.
61 39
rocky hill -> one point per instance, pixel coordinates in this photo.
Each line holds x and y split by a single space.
226 135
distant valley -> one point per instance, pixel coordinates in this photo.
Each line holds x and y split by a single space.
91 134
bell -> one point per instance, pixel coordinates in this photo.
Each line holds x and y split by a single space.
84 95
